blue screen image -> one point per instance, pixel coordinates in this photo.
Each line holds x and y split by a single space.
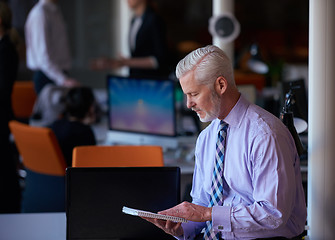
141 105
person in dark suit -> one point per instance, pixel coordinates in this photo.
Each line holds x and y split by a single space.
147 44
9 184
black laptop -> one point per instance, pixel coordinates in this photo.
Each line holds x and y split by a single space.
95 197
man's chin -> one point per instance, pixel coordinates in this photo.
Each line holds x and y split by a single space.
206 119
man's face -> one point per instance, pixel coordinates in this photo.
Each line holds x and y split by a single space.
200 98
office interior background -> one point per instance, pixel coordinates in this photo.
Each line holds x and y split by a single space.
280 32
280 28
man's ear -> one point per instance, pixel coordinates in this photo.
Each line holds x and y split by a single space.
221 85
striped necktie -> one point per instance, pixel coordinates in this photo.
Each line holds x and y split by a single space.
218 182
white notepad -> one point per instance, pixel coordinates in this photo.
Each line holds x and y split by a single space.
140 213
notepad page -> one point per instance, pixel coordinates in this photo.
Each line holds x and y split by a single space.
141 213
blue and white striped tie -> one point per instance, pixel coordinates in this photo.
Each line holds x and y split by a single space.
218 182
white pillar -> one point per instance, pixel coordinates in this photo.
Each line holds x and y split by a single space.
224 6
120 17
321 130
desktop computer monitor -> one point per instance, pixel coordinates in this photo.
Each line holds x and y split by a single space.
141 111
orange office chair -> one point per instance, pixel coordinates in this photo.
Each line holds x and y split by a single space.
45 166
23 99
117 156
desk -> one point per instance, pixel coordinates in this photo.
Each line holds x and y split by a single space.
33 226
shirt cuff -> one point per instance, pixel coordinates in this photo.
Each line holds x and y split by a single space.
221 218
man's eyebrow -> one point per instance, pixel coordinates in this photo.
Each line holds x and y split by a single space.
190 92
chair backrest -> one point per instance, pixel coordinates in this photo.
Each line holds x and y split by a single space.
23 98
39 148
117 156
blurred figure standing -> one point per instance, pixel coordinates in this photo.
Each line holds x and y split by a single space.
147 44
48 52
9 184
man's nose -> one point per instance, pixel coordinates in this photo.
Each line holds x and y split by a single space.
189 103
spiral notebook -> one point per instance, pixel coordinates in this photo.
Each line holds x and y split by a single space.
141 213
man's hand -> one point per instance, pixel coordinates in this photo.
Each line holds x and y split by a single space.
189 211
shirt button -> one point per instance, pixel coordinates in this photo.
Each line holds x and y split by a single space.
220 227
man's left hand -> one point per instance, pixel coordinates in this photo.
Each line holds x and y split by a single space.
190 211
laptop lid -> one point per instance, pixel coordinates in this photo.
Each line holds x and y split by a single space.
95 197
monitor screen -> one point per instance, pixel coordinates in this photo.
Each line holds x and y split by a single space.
141 105
95 197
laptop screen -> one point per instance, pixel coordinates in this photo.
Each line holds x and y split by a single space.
95 197
141 105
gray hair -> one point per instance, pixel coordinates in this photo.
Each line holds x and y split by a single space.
208 63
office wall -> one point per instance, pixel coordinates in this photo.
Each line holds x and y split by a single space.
89 27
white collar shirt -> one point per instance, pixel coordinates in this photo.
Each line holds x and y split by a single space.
47 46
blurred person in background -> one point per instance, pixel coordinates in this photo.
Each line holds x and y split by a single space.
9 182
147 44
74 129
47 47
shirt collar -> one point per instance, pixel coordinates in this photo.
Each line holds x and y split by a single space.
235 116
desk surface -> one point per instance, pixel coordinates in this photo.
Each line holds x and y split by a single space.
182 157
33 226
